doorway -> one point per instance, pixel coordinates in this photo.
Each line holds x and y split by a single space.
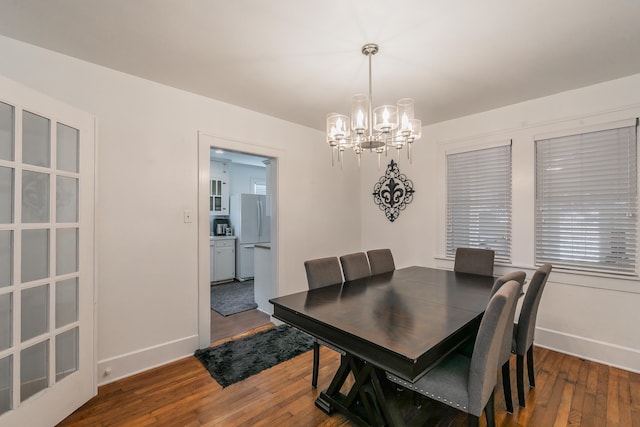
229 172
239 183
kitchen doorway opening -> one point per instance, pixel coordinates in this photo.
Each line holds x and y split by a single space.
240 217
238 237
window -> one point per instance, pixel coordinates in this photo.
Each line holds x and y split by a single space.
587 200
479 201
258 186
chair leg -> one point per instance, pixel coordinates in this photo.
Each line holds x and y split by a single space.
316 364
506 386
474 421
532 381
490 413
520 375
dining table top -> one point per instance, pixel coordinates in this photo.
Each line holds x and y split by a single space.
403 321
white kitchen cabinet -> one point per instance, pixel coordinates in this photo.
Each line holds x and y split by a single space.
219 168
219 196
223 259
219 188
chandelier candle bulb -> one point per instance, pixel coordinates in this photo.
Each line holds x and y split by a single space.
360 114
385 118
405 114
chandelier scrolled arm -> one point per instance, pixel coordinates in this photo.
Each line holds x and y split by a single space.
375 129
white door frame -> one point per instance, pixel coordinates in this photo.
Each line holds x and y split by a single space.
205 142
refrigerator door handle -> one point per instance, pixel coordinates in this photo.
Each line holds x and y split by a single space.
259 219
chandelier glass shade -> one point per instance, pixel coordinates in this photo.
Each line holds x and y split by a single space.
375 129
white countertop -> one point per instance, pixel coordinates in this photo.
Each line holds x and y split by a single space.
222 237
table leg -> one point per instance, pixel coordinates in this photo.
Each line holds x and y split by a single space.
367 402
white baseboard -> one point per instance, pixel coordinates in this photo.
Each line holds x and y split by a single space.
597 351
115 368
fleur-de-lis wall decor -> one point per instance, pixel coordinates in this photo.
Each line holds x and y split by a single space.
393 192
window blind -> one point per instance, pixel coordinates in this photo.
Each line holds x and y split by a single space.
479 201
587 201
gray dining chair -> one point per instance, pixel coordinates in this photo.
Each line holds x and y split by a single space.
505 349
322 272
381 261
474 261
355 266
467 383
524 330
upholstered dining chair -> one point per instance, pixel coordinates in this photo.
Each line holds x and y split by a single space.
322 272
355 266
474 261
505 349
381 261
465 383
524 330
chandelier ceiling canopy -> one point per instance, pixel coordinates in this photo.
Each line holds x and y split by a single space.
375 129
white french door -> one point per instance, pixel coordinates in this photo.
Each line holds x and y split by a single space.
47 322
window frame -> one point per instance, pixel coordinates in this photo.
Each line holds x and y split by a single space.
503 251
576 137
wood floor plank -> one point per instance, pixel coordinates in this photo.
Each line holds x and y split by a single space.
577 401
569 392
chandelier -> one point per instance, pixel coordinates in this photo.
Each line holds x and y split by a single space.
375 129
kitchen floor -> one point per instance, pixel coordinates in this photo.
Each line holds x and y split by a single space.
229 326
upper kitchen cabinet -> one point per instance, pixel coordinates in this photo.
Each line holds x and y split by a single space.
219 188
219 168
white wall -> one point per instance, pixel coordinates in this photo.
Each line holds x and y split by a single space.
147 280
594 316
240 177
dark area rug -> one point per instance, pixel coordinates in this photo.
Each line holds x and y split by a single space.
236 360
232 298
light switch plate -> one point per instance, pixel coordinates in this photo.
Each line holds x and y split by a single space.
188 216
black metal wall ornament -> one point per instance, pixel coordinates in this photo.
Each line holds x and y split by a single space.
393 192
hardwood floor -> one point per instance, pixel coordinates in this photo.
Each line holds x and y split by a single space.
229 326
570 392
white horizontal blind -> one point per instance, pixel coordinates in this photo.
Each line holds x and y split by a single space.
479 201
587 201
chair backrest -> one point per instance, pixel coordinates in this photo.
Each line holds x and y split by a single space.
483 371
518 276
474 261
355 266
526 327
323 272
381 261
507 341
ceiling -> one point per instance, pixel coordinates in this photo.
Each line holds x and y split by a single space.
299 60
237 157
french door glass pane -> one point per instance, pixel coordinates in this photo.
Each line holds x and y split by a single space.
6 195
34 369
6 131
66 302
6 258
66 251
66 199
6 324
35 197
35 255
66 353
36 142
6 377
68 155
35 312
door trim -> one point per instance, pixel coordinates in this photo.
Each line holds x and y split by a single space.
205 142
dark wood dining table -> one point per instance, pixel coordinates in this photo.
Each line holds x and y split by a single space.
402 322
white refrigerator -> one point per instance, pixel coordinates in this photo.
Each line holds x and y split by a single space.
248 217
